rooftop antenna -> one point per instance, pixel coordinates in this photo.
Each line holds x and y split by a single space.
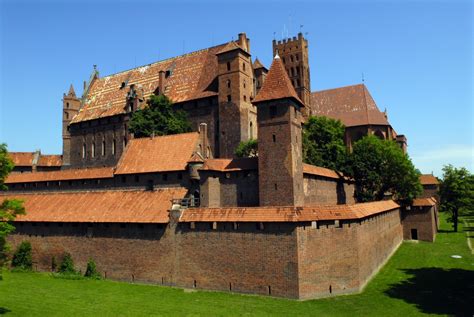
274 36
289 26
301 28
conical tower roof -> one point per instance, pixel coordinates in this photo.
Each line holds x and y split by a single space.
277 85
71 92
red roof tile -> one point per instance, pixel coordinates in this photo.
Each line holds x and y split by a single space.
320 171
277 85
190 78
99 206
231 46
50 160
353 105
230 165
158 154
70 174
428 179
422 202
287 214
22 158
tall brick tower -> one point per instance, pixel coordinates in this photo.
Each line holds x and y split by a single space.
280 162
71 105
237 115
294 55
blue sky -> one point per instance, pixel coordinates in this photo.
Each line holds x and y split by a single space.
416 57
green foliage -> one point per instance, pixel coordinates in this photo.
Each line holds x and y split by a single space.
67 265
456 192
323 143
159 118
22 257
9 209
380 166
247 148
91 270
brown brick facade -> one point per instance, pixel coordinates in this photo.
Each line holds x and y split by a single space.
420 223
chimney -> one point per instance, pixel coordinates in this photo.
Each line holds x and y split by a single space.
161 82
203 139
242 41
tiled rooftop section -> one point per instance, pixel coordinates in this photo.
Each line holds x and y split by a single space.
320 171
287 214
71 174
423 202
277 85
230 165
353 105
22 158
428 179
99 206
158 154
189 77
50 160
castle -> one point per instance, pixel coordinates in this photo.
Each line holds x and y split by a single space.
182 210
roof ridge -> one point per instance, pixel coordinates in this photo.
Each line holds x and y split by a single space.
336 88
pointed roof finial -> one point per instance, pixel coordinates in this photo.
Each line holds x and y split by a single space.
71 92
276 54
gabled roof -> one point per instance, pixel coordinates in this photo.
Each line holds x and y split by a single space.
22 158
231 46
277 85
320 171
287 214
112 206
190 77
428 179
353 105
423 202
70 174
230 165
257 64
158 154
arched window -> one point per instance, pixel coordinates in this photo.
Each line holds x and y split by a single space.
245 84
113 147
292 71
103 147
228 66
228 83
243 65
67 105
84 150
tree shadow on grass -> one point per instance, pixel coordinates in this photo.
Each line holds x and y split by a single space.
4 310
437 291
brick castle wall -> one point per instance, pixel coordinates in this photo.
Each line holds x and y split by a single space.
326 191
290 260
423 219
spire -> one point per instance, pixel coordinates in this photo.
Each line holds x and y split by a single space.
71 92
277 85
257 64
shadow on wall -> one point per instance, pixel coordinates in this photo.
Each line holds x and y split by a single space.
437 291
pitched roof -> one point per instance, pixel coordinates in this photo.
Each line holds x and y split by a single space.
287 214
99 206
257 64
231 46
22 158
428 179
353 105
70 174
423 202
158 154
191 77
277 85
230 165
320 171
50 160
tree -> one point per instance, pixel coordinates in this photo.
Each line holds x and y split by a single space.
323 143
9 209
247 148
380 166
91 270
158 118
22 257
67 265
456 192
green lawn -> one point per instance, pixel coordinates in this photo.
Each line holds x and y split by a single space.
421 278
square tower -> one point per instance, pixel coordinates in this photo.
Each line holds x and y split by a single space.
294 55
71 105
280 161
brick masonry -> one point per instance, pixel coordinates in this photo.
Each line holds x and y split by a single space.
422 219
293 260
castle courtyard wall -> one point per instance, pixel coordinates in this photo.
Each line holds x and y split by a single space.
326 191
423 220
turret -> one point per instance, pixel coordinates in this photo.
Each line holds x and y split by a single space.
71 105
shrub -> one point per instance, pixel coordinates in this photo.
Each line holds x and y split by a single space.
22 257
91 270
54 264
67 265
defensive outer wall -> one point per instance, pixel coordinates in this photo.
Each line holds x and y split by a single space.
292 259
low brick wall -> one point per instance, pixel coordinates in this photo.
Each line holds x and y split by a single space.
423 220
293 260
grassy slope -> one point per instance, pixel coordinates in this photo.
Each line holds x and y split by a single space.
420 278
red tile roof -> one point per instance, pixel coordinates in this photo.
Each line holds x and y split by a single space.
320 171
428 179
231 46
230 165
99 206
353 105
190 78
277 85
422 202
50 160
257 64
158 154
287 214
70 174
22 158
